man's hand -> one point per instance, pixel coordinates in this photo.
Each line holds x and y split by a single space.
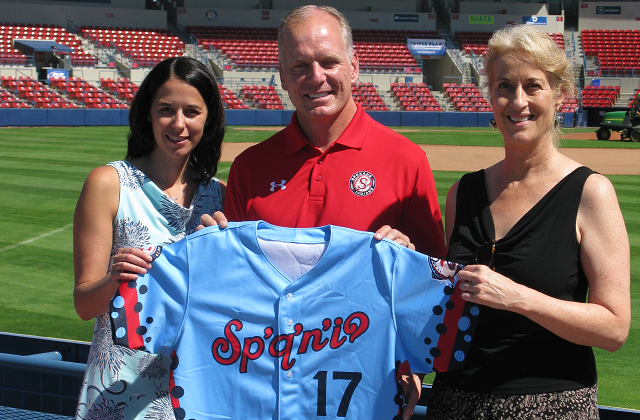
218 218
411 390
395 235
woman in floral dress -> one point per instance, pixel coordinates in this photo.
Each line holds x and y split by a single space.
156 196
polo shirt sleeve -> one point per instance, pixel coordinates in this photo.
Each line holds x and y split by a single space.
234 204
147 314
422 220
435 325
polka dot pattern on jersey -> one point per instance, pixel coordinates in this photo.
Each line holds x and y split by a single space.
176 392
450 334
119 316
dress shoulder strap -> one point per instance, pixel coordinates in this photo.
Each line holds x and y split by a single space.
472 183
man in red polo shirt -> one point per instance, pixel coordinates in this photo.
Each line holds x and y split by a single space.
333 164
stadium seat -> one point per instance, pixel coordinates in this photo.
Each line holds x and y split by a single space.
256 48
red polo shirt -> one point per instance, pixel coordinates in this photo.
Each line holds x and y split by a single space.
369 177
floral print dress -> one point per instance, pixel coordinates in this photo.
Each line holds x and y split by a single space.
120 383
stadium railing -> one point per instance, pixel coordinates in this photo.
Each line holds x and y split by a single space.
40 374
9 413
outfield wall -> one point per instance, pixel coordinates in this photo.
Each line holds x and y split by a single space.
243 117
251 117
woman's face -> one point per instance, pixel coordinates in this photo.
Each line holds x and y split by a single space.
178 115
523 101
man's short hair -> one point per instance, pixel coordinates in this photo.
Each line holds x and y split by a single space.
302 13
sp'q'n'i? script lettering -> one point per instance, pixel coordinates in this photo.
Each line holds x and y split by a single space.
229 349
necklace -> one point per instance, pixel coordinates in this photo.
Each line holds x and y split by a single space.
164 187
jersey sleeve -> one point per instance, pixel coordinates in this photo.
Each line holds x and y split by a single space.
147 314
422 220
435 325
234 203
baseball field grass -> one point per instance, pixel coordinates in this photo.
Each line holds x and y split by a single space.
42 171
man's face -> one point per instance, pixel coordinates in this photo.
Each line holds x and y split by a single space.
315 69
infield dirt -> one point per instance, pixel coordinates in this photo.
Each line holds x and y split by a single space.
473 158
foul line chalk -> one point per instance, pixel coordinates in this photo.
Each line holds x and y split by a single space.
44 235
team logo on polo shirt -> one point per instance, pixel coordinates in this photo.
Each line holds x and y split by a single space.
280 185
362 183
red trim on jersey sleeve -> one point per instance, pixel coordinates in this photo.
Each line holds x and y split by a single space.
175 402
403 369
130 296
447 342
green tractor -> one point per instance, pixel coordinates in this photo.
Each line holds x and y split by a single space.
626 122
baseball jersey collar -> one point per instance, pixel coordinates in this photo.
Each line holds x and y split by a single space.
353 136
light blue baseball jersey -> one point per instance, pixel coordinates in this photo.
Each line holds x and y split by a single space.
250 342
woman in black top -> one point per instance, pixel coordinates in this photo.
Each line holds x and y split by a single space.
537 231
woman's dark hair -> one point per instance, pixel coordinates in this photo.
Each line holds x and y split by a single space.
204 158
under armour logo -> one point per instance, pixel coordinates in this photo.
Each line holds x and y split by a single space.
281 185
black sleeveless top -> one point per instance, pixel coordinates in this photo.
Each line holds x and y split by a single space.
511 354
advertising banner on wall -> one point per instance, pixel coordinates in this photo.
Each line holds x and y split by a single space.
57 74
608 10
481 19
426 46
406 17
534 20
